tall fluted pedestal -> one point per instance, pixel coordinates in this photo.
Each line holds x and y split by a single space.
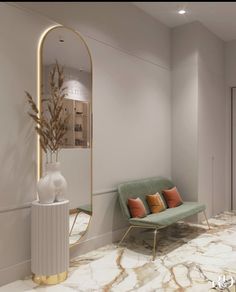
50 242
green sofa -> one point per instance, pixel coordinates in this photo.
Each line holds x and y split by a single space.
141 188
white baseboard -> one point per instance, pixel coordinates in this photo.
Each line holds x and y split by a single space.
15 272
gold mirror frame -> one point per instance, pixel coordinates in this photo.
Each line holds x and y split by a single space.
39 93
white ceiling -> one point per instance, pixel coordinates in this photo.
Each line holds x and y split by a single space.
218 17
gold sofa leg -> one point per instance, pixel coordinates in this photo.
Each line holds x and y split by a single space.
154 244
154 239
126 233
206 219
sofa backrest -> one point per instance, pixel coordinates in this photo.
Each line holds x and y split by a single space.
141 188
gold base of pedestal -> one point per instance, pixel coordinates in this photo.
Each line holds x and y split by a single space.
50 280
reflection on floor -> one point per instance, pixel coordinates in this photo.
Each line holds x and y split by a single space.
188 258
80 226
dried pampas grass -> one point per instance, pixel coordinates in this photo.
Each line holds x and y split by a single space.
50 121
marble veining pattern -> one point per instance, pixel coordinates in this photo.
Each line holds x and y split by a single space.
80 226
189 257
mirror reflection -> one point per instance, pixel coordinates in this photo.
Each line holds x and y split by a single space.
68 49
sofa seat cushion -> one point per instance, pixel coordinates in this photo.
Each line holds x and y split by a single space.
169 216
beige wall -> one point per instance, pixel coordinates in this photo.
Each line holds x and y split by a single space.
230 80
211 122
131 115
19 33
230 63
199 114
119 25
185 110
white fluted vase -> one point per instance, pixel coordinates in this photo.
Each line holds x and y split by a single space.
52 186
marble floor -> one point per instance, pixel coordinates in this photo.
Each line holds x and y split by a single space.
189 258
80 226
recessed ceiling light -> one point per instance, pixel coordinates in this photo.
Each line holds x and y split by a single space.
182 11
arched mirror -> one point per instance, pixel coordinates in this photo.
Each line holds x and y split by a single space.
66 48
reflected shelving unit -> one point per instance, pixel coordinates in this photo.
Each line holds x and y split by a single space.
78 126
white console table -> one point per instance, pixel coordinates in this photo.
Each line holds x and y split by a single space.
50 242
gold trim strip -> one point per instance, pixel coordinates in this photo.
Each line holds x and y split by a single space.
49 280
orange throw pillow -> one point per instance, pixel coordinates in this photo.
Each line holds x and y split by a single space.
155 203
172 197
137 208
